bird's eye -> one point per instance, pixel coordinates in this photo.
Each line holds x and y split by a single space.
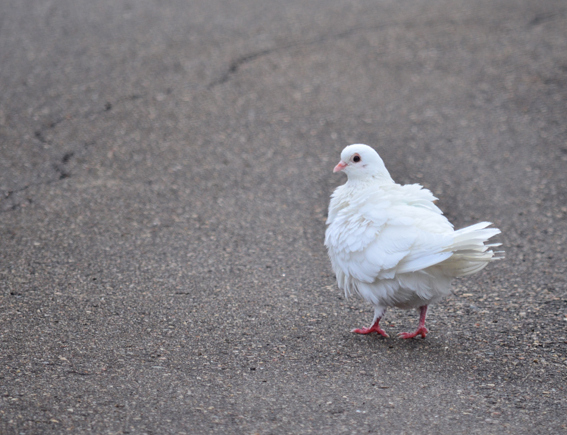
356 158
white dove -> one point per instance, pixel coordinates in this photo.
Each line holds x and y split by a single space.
392 245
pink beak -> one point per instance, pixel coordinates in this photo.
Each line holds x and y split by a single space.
340 166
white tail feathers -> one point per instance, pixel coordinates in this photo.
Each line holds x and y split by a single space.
470 253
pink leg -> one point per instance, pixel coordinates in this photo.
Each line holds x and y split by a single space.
421 330
374 328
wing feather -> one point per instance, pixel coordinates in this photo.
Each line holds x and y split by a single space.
385 235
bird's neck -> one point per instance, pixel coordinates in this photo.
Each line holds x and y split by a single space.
374 180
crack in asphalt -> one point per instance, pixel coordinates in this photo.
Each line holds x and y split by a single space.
12 193
60 167
237 63
40 133
247 58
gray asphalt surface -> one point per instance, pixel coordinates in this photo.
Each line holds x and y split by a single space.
165 171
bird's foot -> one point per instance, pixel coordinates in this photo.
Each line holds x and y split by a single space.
373 328
422 330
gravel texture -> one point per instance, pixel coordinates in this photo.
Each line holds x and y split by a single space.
165 171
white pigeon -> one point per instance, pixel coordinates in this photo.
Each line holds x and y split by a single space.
392 245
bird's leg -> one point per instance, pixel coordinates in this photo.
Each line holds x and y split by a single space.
378 314
421 330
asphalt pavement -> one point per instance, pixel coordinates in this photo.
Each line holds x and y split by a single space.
165 172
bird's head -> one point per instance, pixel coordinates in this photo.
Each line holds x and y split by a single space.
360 162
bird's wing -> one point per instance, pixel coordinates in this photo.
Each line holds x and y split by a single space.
390 234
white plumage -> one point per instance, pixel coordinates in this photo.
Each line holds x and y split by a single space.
392 245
